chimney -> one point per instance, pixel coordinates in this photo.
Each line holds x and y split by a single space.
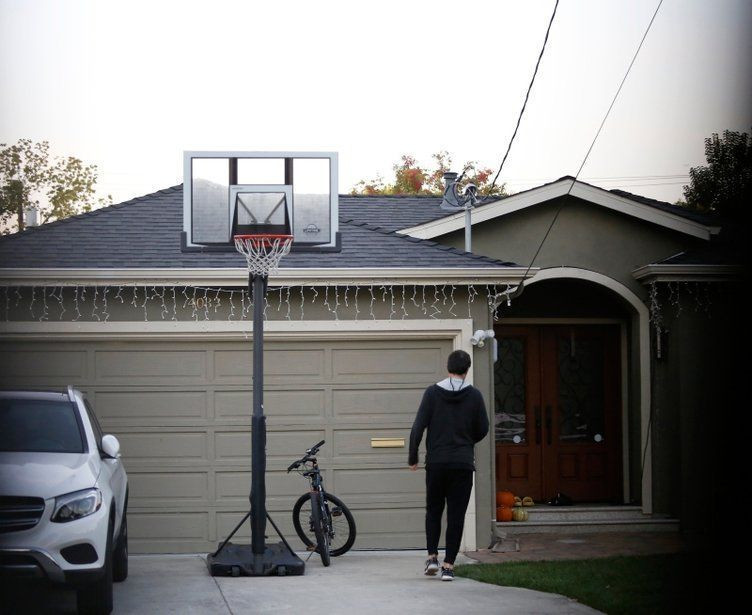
31 217
450 193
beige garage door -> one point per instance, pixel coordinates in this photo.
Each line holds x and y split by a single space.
182 413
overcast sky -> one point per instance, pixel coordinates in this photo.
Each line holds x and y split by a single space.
129 85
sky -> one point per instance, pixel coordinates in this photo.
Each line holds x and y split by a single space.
130 85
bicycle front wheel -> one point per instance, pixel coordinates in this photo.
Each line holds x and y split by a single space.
341 524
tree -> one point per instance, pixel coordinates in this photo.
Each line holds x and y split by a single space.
410 178
30 179
724 186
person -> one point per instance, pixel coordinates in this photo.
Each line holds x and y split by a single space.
454 414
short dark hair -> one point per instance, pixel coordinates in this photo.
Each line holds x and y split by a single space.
458 362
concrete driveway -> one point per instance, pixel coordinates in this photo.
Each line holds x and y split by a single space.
373 582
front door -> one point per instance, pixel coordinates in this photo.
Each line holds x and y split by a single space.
557 409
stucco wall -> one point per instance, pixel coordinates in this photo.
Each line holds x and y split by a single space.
585 235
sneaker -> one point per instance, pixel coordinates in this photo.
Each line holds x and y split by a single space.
432 566
446 574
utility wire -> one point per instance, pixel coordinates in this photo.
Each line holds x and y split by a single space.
520 287
524 104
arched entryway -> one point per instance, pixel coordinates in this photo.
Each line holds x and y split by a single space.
572 390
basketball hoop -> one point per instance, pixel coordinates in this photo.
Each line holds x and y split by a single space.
263 251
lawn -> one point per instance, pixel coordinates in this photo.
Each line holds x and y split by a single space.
669 583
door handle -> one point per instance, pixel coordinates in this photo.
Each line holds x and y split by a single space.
537 425
548 425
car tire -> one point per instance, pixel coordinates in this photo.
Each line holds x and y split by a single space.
96 598
120 557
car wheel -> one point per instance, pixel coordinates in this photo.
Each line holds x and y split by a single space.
120 557
96 598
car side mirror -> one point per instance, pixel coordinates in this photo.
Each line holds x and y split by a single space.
110 446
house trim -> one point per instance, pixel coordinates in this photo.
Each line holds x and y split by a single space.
460 276
641 323
667 272
539 195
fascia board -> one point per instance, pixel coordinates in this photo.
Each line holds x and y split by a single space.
287 277
687 273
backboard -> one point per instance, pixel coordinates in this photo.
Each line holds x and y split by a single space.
299 189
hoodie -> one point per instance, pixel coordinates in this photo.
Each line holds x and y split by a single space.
455 421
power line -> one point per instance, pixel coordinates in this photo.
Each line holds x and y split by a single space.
527 95
519 289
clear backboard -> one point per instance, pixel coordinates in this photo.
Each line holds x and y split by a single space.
220 188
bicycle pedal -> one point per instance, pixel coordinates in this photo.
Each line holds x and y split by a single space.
312 548
336 511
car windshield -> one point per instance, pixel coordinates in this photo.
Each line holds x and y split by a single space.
35 425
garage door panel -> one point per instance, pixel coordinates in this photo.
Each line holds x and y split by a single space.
150 365
387 365
400 485
278 405
161 446
234 487
376 404
178 531
359 443
57 366
154 405
150 489
280 445
390 528
279 365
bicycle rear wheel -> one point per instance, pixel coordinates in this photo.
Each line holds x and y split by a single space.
342 523
320 529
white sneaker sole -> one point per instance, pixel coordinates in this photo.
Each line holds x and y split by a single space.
446 578
431 571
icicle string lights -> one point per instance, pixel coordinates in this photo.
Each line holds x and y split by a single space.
384 301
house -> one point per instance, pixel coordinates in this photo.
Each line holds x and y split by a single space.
589 382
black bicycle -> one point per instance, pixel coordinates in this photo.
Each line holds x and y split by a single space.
320 516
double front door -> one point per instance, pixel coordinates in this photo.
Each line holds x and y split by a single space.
557 409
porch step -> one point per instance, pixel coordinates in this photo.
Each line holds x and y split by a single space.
586 519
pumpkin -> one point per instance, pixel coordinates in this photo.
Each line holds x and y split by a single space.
503 513
519 514
505 498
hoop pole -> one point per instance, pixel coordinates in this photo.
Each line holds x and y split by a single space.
257 285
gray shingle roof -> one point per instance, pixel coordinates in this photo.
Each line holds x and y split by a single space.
145 233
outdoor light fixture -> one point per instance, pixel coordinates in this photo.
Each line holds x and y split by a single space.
479 337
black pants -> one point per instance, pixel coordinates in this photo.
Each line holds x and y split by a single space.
453 487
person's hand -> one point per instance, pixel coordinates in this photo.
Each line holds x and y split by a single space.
414 467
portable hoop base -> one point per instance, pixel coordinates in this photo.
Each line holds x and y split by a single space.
240 561
262 253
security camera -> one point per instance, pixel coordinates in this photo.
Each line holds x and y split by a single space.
478 338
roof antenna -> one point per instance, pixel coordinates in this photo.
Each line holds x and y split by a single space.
456 202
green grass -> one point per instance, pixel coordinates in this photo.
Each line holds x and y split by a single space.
670 583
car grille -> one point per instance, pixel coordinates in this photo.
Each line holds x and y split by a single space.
19 513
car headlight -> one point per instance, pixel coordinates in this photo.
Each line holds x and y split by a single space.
75 505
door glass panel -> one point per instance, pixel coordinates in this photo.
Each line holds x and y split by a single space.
509 387
581 410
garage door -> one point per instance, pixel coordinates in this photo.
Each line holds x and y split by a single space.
182 413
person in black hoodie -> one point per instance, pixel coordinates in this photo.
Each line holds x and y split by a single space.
454 413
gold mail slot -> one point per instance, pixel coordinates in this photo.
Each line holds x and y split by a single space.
387 442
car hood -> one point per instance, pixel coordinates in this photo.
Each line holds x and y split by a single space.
46 475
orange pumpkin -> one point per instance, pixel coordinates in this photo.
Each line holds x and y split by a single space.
505 498
503 513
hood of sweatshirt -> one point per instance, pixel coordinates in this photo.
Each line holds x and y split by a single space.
453 396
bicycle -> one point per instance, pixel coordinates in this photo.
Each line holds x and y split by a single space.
320 515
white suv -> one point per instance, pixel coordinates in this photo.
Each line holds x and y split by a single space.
63 496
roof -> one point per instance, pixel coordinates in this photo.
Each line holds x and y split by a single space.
399 212
649 210
145 233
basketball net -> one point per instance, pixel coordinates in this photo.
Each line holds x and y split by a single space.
263 252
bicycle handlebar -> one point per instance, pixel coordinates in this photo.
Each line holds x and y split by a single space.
311 451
